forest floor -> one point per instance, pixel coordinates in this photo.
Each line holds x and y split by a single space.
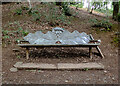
81 22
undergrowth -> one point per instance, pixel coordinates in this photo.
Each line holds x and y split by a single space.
104 23
13 33
47 13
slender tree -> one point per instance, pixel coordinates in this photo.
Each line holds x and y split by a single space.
88 9
115 10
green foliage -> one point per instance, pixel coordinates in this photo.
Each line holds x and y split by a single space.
65 8
116 39
18 57
109 11
77 5
86 69
25 33
21 31
93 20
18 40
36 16
20 28
102 24
18 11
118 17
5 32
33 11
13 35
102 7
80 5
51 14
6 37
54 16
24 8
99 5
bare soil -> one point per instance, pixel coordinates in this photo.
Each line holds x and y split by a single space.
60 55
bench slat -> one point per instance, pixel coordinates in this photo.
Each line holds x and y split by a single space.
59 45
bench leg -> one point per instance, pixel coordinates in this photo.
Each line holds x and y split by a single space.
27 53
90 52
98 49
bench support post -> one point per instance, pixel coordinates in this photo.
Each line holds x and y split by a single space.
27 53
90 52
98 49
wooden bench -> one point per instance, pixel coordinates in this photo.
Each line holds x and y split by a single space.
90 45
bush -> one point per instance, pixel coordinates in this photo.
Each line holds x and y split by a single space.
36 16
25 33
51 15
22 10
18 11
116 40
102 24
77 5
66 9
9 36
109 11
80 5
54 15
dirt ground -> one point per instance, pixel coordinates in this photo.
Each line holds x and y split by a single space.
58 55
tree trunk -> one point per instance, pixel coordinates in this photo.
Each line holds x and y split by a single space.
115 10
91 11
93 7
88 9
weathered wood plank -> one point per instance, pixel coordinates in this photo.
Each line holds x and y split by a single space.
58 45
35 66
80 66
17 64
59 66
98 49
